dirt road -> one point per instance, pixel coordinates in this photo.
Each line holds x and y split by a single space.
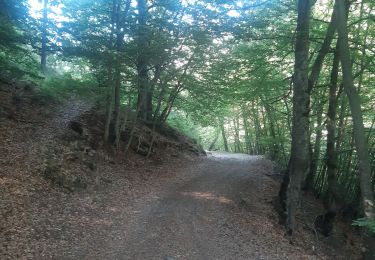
209 208
220 208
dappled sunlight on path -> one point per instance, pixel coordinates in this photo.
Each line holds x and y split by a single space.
232 156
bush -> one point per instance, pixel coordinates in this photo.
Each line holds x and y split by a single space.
178 120
204 135
369 224
65 85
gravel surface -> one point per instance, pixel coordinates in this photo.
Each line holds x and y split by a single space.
218 207
214 208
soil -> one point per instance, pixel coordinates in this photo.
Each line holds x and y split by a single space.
218 207
214 207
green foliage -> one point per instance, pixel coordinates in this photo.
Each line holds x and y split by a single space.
58 87
20 63
369 224
182 122
17 59
203 135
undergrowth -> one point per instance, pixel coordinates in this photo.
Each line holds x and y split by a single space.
64 85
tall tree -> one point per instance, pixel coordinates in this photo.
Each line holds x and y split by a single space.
121 14
331 160
222 128
300 143
44 29
144 94
367 192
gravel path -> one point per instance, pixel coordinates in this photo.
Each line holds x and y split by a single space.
218 208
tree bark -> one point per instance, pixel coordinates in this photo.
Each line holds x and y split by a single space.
144 95
224 136
300 128
117 103
313 78
109 112
257 129
325 48
327 220
174 93
119 19
111 94
316 153
247 134
237 142
43 51
212 145
356 112
274 146
117 94
331 134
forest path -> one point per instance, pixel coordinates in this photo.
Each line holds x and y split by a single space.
220 209
64 113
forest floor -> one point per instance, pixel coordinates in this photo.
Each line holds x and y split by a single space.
215 207
218 207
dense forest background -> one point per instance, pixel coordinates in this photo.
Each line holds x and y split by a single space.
235 75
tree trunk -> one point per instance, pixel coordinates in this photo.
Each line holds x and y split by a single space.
120 31
356 112
316 153
172 97
43 50
257 129
156 112
341 123
237 143
174 93
144 95
318 63
212 145
313 78
331 162
107 127
300 129
247 134
117 103
224 136
117 94
274 146
111 94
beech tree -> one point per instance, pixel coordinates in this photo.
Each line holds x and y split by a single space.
299 159
367 192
